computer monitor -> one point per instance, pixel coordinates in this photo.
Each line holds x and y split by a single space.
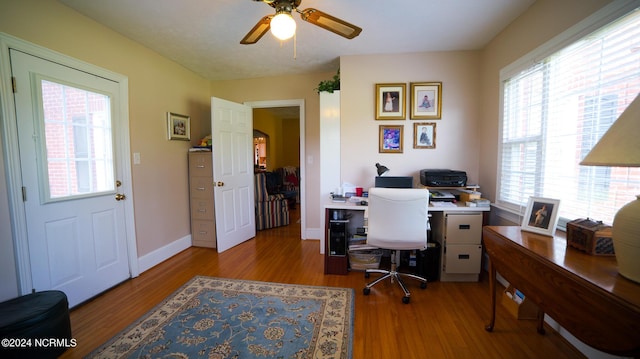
394 181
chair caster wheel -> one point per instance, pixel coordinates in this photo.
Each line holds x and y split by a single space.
423 285
366 291
405 300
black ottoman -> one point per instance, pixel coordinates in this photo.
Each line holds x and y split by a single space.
35 325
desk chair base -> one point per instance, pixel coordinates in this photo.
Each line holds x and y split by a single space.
393 274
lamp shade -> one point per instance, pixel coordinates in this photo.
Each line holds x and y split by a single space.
382 170
620 145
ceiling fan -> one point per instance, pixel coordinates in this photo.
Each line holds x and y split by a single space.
284 8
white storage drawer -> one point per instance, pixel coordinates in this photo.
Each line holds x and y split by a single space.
463 228
462 258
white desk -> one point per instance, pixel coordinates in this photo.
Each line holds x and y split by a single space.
456 227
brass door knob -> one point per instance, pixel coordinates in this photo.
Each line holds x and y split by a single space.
219 183
120 197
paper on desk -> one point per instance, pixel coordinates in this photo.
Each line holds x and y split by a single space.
442 204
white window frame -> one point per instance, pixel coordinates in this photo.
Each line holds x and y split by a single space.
592 23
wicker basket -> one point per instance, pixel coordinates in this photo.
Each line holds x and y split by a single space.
365 259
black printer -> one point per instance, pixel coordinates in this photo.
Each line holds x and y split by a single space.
443 178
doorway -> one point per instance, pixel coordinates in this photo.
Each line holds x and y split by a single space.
295 106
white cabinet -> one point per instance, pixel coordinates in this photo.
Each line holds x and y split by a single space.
460 237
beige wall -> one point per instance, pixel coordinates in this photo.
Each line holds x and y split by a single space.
156 86
456 132
284 134
544 20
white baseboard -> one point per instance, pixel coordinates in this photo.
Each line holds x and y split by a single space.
158 256
313 233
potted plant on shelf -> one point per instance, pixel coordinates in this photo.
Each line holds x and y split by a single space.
330 85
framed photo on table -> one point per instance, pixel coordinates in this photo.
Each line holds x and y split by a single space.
541 216
390 101
426 100
178 126
390 139
424 135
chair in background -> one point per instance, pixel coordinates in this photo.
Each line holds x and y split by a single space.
272 210
397 220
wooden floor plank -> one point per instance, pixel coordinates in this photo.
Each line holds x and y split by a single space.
446 320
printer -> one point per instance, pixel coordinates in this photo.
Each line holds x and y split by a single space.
443 178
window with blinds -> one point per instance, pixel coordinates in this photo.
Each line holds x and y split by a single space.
554 112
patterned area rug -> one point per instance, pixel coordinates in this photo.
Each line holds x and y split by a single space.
226 318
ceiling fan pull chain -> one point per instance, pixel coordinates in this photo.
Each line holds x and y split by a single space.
295 46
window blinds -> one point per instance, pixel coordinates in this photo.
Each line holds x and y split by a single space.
556 110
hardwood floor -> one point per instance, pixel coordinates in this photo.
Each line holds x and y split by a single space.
446 320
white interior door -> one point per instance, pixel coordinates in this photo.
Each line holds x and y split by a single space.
74 212
232 137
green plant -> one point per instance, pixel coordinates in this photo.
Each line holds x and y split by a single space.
330 85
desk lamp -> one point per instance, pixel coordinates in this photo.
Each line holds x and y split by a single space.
620 147
382 170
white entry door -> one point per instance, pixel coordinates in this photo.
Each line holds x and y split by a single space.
232 137
73 208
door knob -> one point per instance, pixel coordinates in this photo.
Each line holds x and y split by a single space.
219 183
120 197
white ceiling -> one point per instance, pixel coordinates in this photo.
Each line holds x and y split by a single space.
204 35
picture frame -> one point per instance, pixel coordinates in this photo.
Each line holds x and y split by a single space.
391 101
426 100
178 127
541 216
391 138
424 135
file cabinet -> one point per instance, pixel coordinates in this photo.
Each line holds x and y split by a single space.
460 236
203 221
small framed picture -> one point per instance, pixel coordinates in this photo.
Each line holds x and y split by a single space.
178 126
391 139
541 216
426 100
390 101
424 135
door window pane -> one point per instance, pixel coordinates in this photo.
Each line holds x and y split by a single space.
78 141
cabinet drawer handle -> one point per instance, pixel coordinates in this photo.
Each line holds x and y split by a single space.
203 232
202 210
200 166
463 256
464 226
200 188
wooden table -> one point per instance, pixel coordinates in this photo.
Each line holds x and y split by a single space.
583 293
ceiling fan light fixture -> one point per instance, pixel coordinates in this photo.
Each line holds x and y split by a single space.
283 26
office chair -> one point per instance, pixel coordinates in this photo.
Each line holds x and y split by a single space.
397 220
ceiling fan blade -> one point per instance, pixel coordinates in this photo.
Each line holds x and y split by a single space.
258 31
330 23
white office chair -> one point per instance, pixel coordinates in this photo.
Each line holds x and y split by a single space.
397 220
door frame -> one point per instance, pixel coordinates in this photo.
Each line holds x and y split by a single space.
300 104
12 155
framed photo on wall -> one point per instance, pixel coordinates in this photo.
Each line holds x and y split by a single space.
424 135
426 100
178 126
390 139
390 101
541 216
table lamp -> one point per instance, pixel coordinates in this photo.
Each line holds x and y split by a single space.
382 170
620 147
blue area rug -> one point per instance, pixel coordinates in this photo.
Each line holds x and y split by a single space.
227 318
